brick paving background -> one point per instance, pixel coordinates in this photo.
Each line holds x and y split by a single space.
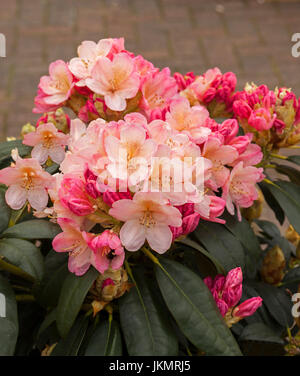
251 38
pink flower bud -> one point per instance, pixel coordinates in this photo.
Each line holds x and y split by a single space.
107 282
248 307
229 129
209 95
240 143
110 197
234 278
241 109
279 125
261 119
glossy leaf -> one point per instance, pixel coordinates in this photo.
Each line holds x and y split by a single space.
5 212
144 323
73 293
105 340
194 309
9 326
259 332
24 255
33 229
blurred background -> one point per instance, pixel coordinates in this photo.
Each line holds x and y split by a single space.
249 37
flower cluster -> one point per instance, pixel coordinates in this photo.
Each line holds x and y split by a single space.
227 292
212 89
142 163
272 116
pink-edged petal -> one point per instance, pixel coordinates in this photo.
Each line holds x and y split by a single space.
115 102
96 86
40 153
10 175
125 210
100 262
117 261
64 242
132 134
80 263
159 238
16 197
57 154
132 235
113 149
38 198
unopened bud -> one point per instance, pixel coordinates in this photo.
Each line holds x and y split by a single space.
273 267
27 128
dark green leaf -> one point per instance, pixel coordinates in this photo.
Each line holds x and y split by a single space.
294 159
289 171
143 322
277 302
70 345
23 254
73 293
288 195
6 148
56 271
194 309
49 319
9 326
5 212
272 202
292 277
105 340
259 332
34 229
225 247
243 231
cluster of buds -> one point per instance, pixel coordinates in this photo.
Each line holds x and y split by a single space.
227 292
213 90
273 267
272 116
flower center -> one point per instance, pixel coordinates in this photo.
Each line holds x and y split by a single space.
147 219
28 175
48 139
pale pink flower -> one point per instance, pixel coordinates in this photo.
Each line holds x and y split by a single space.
147 217
116 80
88 53
55 89
108 251
27 181
240 189
130 154
220 155
158 88
188 120
74 241
47 141
203 83
210 208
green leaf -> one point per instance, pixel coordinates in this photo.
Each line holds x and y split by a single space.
49 319
24 255
52 169
244 233
56 271
194 309
187 242
294 159
277 302
105 340
225 247
5 212
272 202
34 229
292 277
73 293
143 322
70 345
259 332
292 173
9 326
288 195
6 148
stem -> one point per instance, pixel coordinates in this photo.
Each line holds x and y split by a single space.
270 166
15 270
151 256
268 181
278 156
25 298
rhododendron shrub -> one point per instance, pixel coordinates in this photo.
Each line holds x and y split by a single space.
141 205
